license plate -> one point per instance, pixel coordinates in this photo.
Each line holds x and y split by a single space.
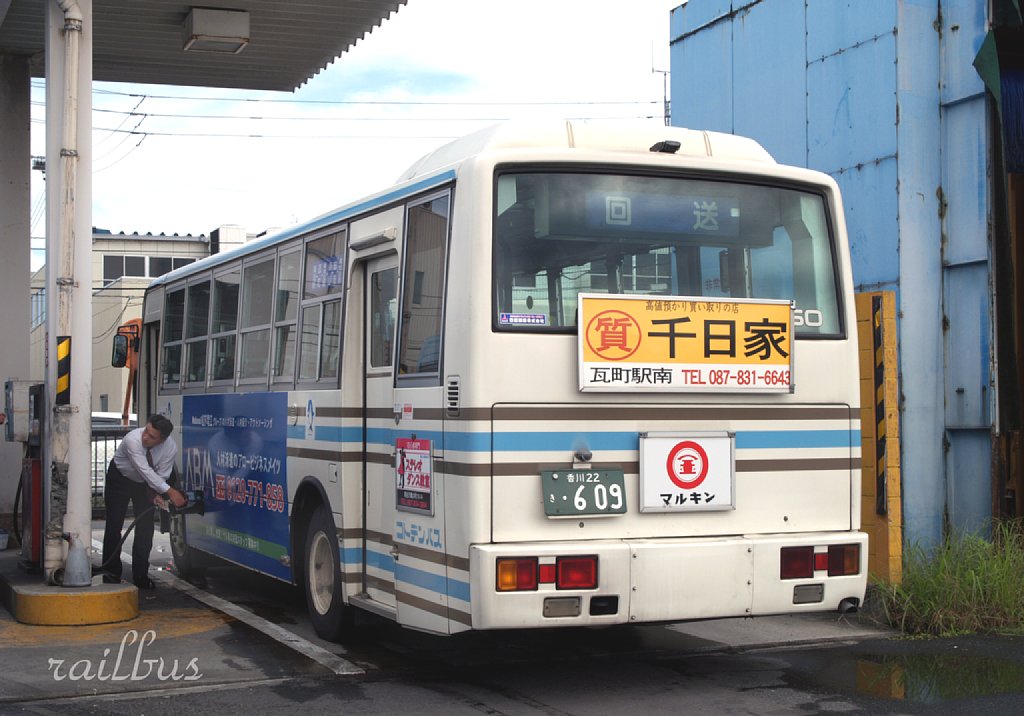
568 493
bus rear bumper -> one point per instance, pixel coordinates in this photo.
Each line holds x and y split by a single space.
654 580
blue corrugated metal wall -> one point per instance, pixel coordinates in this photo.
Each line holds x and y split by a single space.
882 95
967 273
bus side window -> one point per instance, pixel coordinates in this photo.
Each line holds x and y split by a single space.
319 339
197 322
383 312
223 325
257 311
173 331
330 340
419 346
285 313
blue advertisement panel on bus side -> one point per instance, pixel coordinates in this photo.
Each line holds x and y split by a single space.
235 449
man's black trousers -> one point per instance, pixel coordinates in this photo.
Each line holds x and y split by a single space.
119 491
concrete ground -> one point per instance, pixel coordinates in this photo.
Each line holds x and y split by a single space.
186 638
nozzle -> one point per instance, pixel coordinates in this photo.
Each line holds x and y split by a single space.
195 503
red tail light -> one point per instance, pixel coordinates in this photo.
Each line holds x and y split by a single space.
547 573
524 574
517 574
843 559
797 562
802 562
576 572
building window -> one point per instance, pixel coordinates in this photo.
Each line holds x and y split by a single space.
134 265
113 268
38 307
116 266
159 265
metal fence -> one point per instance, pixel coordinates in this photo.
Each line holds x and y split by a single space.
105 439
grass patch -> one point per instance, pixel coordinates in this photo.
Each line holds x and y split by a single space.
968 584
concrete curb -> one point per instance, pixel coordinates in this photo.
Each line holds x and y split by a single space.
30 601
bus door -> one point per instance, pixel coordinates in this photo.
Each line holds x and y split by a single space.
422 587
381 308
405 493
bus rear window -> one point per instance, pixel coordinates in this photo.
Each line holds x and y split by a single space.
559 234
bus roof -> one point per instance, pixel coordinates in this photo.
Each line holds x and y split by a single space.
438 167
340 214
612 136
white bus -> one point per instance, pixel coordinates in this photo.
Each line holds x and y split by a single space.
561 374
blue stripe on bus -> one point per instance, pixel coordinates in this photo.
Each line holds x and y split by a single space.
335 434
753 439
384 562
430 581
782 439
433 582
553 441
352 555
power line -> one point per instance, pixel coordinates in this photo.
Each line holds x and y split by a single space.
38 210
309 119
102 337
226 135
381 102
339 102
258 135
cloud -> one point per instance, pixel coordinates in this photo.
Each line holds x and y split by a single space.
391 80
262 159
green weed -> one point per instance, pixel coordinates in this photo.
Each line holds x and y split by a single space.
968 584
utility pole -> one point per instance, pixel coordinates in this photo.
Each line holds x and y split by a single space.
68 283
664 94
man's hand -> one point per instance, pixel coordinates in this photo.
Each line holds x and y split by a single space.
176 497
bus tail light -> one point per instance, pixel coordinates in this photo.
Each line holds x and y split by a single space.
843 559
576 572
547 573
797 562
802 562
524 574
517 574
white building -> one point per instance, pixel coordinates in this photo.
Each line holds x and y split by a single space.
122 266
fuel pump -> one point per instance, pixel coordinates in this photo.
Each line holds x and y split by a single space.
25 407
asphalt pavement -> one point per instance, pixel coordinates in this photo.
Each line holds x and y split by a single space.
187 640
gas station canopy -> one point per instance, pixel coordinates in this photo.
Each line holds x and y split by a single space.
246 44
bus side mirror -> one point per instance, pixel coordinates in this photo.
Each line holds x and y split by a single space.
119 355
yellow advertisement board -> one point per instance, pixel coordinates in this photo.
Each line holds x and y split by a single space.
679 343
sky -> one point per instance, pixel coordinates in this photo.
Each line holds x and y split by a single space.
180 160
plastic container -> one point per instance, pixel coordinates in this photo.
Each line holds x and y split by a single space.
3 539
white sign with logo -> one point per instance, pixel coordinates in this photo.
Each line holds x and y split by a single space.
687 472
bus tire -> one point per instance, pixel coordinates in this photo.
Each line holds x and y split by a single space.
322 577
187 561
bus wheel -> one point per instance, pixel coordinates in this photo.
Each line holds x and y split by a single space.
186 561
324 598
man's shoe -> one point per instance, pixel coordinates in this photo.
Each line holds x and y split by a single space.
111 579
145 583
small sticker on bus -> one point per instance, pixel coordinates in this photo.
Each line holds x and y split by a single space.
523 319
